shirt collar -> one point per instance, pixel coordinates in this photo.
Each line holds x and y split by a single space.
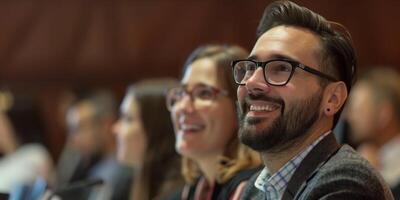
390 163
279 180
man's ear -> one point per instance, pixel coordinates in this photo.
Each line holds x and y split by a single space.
109 121
385 114
335 96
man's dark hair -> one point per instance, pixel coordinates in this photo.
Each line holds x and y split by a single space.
384 84
103 101
338 56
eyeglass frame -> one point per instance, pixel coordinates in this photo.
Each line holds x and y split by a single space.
216 92
293 63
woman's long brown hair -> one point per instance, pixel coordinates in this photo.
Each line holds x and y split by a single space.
160 171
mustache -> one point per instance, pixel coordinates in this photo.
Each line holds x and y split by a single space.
261 97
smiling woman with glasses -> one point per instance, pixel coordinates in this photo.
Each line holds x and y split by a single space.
215 164
200 92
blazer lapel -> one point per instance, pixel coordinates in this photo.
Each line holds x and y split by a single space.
310 165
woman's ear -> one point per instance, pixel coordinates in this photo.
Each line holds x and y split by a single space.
335 96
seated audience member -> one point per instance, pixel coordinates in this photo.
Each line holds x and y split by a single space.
145 140
215 164
374 117
23 158
89 154
292 88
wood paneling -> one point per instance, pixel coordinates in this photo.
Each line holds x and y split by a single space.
48 46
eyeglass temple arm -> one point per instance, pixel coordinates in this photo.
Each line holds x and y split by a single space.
313 71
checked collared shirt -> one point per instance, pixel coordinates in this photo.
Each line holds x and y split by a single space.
274 185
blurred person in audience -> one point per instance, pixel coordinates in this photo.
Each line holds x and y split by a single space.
90 150
23 158
374 117
145 140
215 164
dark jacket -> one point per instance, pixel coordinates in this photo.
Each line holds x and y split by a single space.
396 191
330 172
221 191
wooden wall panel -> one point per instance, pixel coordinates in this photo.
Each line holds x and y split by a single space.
48 46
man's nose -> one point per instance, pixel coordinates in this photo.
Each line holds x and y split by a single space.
257 82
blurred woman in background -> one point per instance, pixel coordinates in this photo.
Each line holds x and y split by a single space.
145 140
23 158
215 164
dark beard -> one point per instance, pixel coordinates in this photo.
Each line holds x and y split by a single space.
285 131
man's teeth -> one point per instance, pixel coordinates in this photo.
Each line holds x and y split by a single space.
267 108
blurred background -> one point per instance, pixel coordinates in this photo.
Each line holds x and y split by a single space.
50 48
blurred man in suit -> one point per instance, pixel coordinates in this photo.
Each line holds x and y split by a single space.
374 117
90 150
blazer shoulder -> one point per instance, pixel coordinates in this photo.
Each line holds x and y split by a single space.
347 175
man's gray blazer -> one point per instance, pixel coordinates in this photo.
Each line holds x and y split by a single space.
330 172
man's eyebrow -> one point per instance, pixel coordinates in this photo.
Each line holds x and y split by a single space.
274 56
253 57
280 56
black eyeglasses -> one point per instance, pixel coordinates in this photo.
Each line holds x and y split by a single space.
201 92
277 72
